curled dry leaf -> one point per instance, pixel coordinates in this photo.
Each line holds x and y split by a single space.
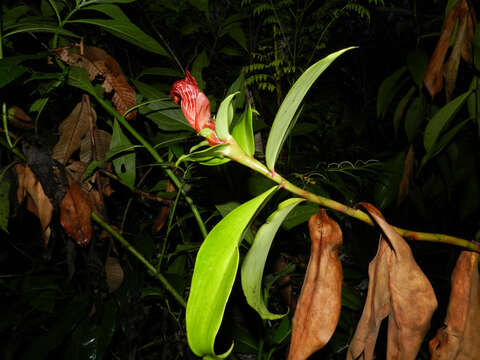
396 282
102 144
159 221
73 129
462 14
75 213
99 64
114 273
318 308
458 338
37 201
19 118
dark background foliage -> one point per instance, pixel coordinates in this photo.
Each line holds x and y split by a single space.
54 300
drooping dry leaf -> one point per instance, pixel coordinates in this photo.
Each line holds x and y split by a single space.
75 213
19 118
159 221
99 64
459 338
73 129
407 175
37 202
406 285
114 273
102 144
451 66
318 308
462 14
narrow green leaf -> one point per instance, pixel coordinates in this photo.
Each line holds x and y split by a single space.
242 131
38 27
212 156
4 205
387 91
440 119
238 86
124 165
200 63
110 10
473 102
224 117
254 262
128 32
215 269
290 104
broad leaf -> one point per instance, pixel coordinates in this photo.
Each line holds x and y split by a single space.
254 262
414 117
125 164
212 156
417 63
224 117
78 77
10 71
387 90
441 118
242 131
290 104
214 274
128 32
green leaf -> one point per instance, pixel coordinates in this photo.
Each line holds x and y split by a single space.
242 131
128 32
414 117
4 205
78 77
224 117
215 269
387 91
254 262
443 141
400 109
290 104
440 119
10 72
11 16
238 86
112 11
212 156
38 27
124 165
201 62
417 63
473 102
299 215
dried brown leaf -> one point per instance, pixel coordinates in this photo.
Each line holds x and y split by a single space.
434 75
75 212
114 273
99 63
458 339
407 285
19 118
319 304
73 129
102 144
451 66
37 202
407 175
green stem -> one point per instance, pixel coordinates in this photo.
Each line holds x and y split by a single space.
140 257
159 159
234 152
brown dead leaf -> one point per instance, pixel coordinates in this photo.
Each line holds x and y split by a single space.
159 221
73 129
102 144
75 213
464 15
458 338
99 64
114 273
407 175
19 118
319 304
396 282
37 202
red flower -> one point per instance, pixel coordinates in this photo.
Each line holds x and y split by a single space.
195 105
